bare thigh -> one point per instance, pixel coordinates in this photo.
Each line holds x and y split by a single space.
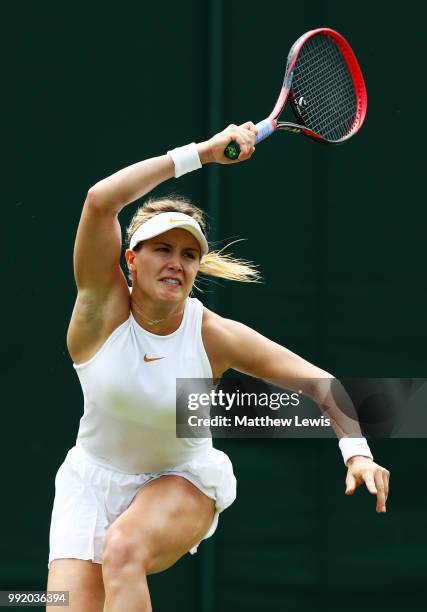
83 580
166 519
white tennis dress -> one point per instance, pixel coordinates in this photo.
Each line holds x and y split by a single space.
127 434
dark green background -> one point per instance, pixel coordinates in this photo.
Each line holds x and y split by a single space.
339 234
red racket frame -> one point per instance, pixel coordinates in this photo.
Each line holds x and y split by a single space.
356 75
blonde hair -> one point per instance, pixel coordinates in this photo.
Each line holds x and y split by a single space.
214 263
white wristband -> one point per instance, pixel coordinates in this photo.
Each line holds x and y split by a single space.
186 159
354 446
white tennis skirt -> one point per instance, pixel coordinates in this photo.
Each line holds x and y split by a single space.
89 497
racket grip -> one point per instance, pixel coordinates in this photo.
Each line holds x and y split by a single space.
265 128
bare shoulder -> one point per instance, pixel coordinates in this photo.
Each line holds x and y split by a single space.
231 344
218 334
93 320
217 328
212 326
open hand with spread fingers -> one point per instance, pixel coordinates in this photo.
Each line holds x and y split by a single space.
364 470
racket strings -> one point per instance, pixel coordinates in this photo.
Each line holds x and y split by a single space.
328 100
323 90
330 107
334 101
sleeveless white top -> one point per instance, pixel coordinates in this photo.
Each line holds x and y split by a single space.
129 389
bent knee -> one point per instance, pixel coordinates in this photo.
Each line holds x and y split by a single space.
123 553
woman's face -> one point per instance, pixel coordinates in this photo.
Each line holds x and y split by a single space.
165 267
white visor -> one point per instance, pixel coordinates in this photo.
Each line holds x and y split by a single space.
166 221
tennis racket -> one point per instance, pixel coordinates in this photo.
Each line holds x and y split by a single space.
325 88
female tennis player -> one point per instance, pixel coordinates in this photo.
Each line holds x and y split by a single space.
131 498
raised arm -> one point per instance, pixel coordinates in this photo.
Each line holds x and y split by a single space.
103 296
102 291
98 241
99 229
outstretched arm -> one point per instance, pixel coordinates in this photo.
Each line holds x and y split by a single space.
245 350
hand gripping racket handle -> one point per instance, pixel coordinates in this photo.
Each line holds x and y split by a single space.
265 128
